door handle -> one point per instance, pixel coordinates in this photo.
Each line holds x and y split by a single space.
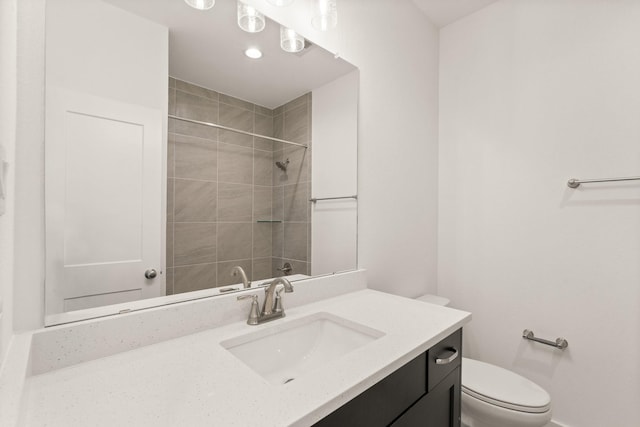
151 273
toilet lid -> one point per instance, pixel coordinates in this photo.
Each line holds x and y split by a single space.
503 388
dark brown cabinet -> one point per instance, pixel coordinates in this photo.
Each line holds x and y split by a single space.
421 393
438 408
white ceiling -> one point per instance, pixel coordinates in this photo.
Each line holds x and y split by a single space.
444 12
207 48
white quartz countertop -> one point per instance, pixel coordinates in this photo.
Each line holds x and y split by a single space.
194 381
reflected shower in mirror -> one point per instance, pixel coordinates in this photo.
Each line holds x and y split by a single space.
172 158
231 200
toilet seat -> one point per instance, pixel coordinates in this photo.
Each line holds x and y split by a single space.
503 388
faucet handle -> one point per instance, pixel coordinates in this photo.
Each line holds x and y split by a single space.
277 305
254 313
286 268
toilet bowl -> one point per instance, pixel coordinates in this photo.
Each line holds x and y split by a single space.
496 397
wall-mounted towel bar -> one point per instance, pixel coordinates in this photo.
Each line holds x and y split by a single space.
332 198
217 126
560 343
575 183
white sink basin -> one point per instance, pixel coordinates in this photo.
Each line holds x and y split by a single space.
287 351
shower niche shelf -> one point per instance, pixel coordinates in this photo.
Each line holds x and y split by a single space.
269 221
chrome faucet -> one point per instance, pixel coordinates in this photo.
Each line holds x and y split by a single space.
238 270
271 309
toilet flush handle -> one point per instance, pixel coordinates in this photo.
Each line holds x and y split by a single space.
446 360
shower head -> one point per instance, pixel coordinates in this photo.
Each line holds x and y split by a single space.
283 166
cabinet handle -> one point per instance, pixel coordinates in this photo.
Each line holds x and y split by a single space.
443 361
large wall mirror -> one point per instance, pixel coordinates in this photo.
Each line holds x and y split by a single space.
172 158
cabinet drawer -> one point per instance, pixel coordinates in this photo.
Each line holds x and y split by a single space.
448 348
381 404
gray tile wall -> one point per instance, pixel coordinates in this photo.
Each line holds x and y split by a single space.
221 184
292 190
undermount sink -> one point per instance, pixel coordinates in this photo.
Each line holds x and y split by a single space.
287 351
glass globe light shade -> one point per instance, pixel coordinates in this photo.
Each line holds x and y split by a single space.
280 3
250 19
326 16
290 41
201 4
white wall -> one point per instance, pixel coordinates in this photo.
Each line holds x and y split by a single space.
396 49
334 223
120 73
86 55
8 68
532 93
29 169
397 156
29 163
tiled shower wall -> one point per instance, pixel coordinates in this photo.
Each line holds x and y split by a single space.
227 202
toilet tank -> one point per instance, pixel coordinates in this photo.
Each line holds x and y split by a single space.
434 299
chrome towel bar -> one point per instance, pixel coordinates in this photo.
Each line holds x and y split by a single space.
560 343
332 198
575 183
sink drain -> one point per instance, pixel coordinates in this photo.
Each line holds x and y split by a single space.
288 381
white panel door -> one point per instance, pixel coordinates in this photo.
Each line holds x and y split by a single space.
104 201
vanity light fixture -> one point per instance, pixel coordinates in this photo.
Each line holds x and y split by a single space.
326 16
280 3
253 53
250 19
290 41
201 4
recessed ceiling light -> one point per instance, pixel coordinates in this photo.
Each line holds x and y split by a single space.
253 53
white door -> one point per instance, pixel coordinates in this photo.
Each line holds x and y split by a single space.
104 202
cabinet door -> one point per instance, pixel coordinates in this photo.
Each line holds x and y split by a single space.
439 408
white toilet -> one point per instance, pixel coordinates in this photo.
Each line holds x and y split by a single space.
496 397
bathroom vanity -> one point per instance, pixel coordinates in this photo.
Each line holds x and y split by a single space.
425 391
343 355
